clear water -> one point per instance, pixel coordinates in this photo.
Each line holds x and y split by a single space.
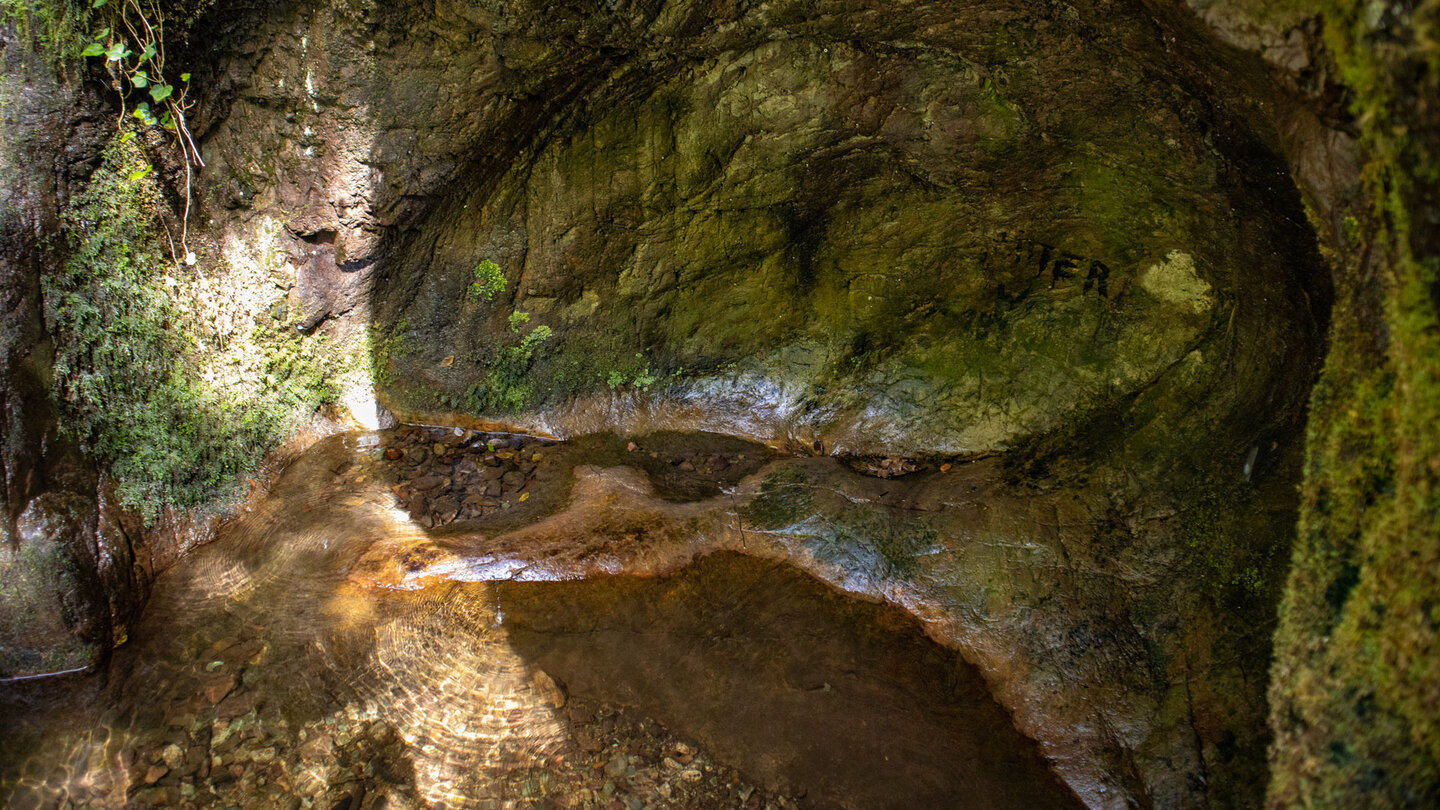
330 649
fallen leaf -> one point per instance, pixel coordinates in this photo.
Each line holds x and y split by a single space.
449 361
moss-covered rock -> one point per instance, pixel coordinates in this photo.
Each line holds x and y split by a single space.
1357 675
177 382
832 239
54 615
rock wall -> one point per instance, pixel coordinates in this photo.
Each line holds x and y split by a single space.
78 547
1056 234
1355 674
1357 671
56 614
1066 234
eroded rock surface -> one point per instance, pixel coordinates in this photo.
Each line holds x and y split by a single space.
934 229
1069 615
1053 233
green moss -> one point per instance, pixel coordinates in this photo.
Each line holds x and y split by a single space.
33 583
1000 122
295 368
1118 200
127 368
858 538
876 541
1357 674
784 500
58 29
387 345
1214 531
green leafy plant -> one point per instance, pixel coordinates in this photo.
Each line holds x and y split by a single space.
489 281
517 320
506 388
133 47
644 379
641 378
127 374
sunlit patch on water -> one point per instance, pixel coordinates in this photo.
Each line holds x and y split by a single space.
470 710
226 579
89 769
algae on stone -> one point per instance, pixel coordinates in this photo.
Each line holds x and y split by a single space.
779 231
1356 679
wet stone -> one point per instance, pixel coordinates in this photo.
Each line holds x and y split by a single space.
413 700
218 686
888 467
446 476
615 768
427 482
236 706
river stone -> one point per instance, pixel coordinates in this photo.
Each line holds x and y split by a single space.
216 687
616 767
237 705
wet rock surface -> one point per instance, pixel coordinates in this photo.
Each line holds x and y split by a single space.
274 669
444 476
330 597
53 611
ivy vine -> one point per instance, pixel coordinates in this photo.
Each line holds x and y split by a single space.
133 47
